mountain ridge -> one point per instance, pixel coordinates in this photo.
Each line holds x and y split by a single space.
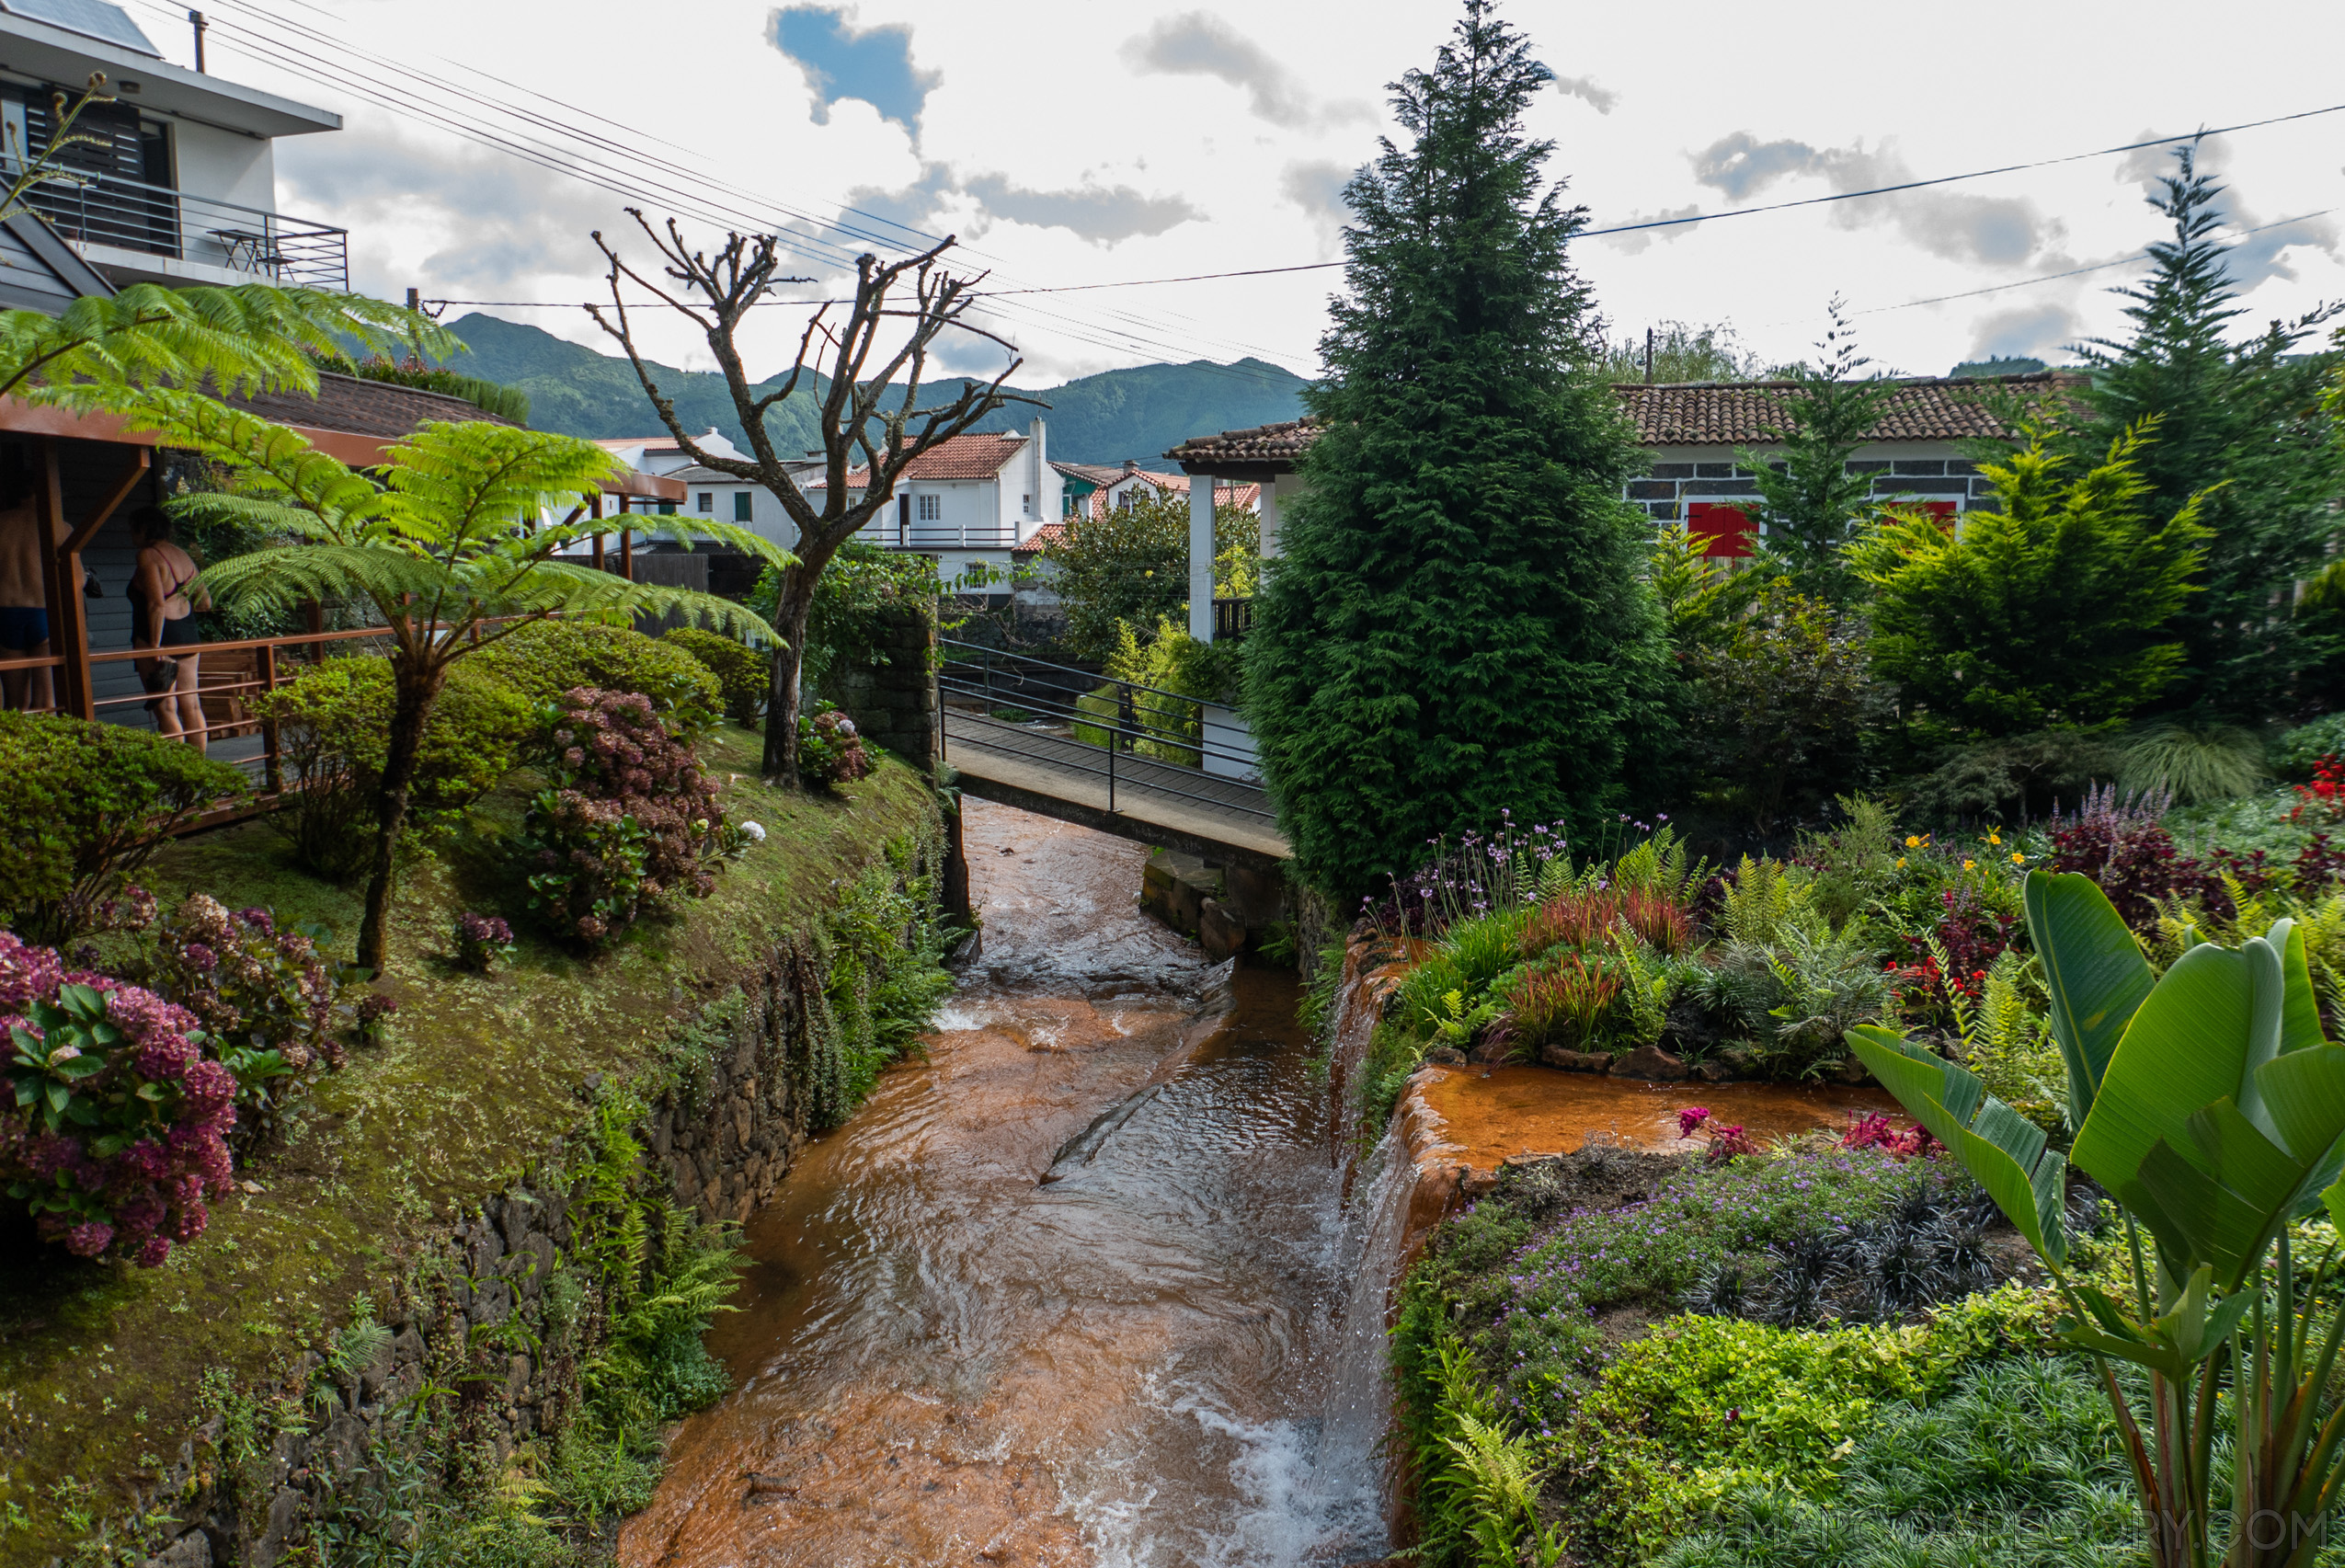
1138 412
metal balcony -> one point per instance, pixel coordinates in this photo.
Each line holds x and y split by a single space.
155 220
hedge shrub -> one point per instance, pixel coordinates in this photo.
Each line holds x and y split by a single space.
543 660
82 806
333 725
742 673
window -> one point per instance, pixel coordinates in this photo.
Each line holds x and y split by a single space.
930 508
708 501
741 506
667 508
1025 504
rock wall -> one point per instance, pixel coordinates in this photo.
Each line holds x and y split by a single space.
892 696
721 1133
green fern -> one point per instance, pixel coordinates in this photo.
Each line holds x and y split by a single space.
1767 901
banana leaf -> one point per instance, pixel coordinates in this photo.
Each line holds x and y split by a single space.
2094 971
2005 1153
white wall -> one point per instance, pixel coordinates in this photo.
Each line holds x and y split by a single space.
226 166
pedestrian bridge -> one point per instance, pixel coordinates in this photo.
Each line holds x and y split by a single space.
1113 755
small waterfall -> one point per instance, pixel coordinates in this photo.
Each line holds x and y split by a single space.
1359 1389
1357 1003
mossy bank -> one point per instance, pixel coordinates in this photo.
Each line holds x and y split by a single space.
397 1299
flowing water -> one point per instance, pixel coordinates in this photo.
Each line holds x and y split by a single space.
1157 1358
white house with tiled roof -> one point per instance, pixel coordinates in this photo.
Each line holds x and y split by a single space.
970 501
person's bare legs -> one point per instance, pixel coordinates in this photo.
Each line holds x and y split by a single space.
184 697
40 691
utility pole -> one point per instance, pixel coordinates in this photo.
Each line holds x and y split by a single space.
201 25
1648 356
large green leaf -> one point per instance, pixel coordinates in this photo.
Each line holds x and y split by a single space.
2094 971
2003 1150
2185 1048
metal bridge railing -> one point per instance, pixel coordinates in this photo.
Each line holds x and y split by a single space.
1159 735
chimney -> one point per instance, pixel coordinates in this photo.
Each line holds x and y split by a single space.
1131 465
1039 453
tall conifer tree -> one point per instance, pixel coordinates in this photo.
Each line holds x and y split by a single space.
1459 621
2240 420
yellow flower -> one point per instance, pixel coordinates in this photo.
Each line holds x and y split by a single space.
1901 863
2018 859
1995 838
1970 865
1912 842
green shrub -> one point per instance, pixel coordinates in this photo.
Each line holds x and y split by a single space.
2192 762
1705 1405
886 943
2308 744
332 727
549 658
82 806
2054 609
743 675
2017 1465
2020 777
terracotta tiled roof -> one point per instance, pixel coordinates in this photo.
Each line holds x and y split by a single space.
1704 413
1049 533
1275 444
1741 413
1092 473
956 457
364 408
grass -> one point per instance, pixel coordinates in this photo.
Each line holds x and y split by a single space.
479 1083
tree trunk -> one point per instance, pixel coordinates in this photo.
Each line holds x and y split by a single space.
793 608
417 689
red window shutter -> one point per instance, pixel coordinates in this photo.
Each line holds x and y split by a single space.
1725 531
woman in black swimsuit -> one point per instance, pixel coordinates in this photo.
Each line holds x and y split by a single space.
163 616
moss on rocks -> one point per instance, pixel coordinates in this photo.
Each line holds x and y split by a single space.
481 1081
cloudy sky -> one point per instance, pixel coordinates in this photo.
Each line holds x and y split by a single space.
1070 142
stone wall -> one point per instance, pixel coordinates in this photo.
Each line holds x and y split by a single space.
892 696
721 1133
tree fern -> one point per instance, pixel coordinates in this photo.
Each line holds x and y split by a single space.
446 542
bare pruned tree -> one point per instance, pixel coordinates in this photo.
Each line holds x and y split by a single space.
872 422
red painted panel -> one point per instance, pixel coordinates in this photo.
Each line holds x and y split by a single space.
1725 531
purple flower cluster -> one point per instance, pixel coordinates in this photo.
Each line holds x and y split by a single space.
248 982
482 942
1479 874
118 1136
630 822
1537 1309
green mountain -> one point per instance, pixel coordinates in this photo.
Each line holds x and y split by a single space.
1138 413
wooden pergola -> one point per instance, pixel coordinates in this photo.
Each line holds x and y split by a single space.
87 468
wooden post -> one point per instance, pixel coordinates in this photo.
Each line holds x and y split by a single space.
627 554
68 628
597 514
273 772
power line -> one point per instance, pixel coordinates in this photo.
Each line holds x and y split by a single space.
712 203
2073 271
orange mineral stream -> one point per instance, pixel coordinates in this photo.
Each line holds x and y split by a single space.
1162 1359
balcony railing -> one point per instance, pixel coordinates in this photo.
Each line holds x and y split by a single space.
158 221
940 535
1233 618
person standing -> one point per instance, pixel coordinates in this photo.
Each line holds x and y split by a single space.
163 617
24 596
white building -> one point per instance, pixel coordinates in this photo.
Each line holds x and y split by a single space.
969 501
176 183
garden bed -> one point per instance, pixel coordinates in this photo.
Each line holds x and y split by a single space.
112 1377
